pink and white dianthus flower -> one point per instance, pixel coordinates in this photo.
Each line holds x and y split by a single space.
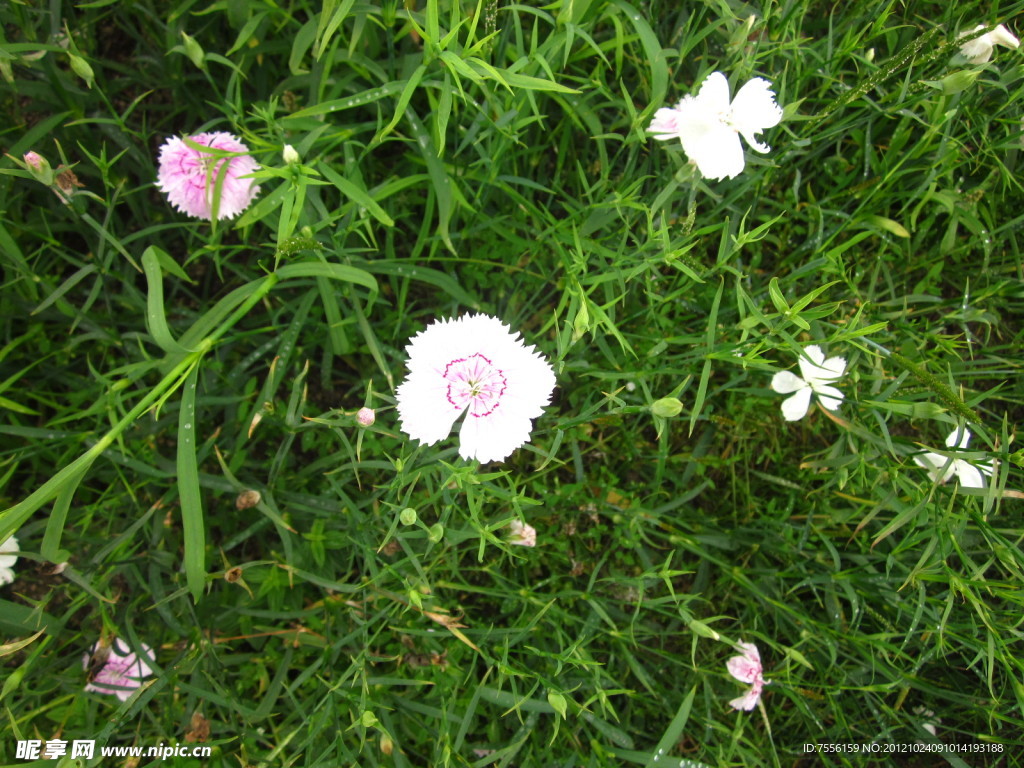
709 126
474 367
120 670
198 183
521 534
747 669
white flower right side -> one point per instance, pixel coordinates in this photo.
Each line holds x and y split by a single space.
979 50
942 468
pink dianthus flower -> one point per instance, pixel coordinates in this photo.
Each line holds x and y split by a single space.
747 669
120 671
198 182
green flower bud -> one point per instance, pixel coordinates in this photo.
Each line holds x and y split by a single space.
667 407
408 516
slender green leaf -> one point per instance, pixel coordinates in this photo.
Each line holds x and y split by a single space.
402 104
673 733
8 648
332 271
438 177
64 287
189 494
330 19
356 194
351 102
156 320
50 548
705 375
404 268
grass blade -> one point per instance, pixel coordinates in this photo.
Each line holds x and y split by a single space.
705 374
332 271
438 177
356 194
675 729
156 320
188 489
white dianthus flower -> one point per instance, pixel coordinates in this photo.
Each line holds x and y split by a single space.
941 469
709 126
979 50
818 376
476 368
7 561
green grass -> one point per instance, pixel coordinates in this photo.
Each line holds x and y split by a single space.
491 156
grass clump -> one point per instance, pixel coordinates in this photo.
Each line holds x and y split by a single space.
185 468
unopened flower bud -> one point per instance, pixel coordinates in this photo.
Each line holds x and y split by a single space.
289 154
702 629
39 167
366 417
35 161
667 407
408 516
247 499
435 533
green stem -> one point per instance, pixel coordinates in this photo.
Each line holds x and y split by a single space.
936 385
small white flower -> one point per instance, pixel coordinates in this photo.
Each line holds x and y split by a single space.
7 561
979 50
477 367
941 468
818 374
929 720
709 127
521 534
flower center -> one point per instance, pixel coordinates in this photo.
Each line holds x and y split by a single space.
207 168
115 672
197 167
475 384
725 117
